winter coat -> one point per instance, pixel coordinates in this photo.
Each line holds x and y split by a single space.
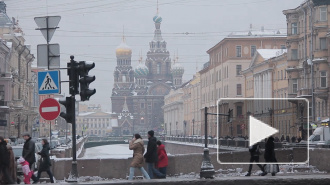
26 170
4 154
45 159
138 149
255 150
29 151
151 155
12 168
162 157
270 151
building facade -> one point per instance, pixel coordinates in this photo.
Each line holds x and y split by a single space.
16 82
138 95
222 78
308 46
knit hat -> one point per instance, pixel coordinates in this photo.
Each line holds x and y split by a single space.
26 134
151 133
21 160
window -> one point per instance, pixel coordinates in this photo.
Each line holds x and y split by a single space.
239 89
294 85
281 74
283 47
239 111
319 109
323 43
2 92
158 68
253 50
142 105
323 13
238 51
294 54
239 130
238 69
294 28
124 78
323 79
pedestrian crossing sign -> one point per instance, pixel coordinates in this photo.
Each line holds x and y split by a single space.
49 82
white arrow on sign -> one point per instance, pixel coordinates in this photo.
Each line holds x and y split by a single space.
47 25
259 130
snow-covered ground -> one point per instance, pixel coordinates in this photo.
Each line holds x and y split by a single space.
119 151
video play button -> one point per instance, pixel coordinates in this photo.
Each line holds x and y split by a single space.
259 130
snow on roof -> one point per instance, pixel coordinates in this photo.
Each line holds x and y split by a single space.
9 44
114 122
86 113
258 33
270 53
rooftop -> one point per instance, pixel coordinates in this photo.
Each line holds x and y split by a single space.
271 53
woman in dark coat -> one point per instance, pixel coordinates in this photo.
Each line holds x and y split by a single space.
4 163
270 153
12 163
45 161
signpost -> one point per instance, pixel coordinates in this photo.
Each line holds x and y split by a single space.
49 82
49 109
47 25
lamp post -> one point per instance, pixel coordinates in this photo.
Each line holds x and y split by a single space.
302 107
170 129
176 129
193 121
248 113
271 112
185 126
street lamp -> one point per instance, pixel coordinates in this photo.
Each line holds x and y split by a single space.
271 112
170 129
185 125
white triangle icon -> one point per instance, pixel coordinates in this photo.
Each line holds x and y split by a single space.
259 131
48 84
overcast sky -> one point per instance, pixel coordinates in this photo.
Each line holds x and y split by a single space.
92 29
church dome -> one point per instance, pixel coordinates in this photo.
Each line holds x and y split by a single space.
141 70
123 50
157 19
177 69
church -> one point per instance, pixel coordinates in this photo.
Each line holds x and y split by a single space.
138 93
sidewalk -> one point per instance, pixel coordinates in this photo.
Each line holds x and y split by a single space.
267 180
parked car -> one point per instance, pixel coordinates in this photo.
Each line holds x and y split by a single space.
18 150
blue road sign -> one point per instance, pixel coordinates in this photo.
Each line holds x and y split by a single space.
49 82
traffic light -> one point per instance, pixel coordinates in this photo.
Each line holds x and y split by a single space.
73 76
230 115
85 80
69 104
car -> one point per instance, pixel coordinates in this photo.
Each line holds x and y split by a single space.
18 150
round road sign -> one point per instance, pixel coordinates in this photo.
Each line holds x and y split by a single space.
49 109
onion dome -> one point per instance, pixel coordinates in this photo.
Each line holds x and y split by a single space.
157 19
177 69
123 49
141 69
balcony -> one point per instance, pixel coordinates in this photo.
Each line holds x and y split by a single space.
304 93
3 106
322 92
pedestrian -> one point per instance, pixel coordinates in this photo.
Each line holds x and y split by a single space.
299 139
4 162
287 139
293 139
162 158
26 170
282 138
255 152
12 168
270 157
29 152
137 145
45 161
151 156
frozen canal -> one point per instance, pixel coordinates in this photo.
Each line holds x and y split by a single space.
119 151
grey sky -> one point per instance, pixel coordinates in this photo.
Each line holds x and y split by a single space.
92 29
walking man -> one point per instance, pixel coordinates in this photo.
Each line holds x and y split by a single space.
151 156
255 152
29 152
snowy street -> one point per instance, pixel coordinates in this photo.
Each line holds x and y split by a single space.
120 151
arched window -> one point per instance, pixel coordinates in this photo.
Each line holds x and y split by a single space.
158 68
123 78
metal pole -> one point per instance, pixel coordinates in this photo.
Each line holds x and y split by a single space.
47 42
74 170
205 114
50 134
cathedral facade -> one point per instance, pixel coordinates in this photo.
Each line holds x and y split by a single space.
138 93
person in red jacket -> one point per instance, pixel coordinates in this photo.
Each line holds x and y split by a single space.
162 158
